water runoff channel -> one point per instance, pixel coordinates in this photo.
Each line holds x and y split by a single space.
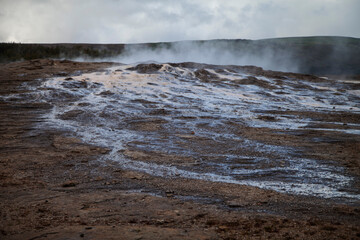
173 112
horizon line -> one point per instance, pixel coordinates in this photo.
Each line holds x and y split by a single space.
177 41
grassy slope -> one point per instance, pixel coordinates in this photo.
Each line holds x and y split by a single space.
314 55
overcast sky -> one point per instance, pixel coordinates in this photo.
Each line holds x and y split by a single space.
133 21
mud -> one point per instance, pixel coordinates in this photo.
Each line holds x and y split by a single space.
180 151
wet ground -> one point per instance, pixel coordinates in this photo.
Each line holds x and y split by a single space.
177 151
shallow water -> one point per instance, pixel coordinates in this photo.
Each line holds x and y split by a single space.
173 113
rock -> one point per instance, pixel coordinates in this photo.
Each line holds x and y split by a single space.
205 75
75 84
160 111
69 184
146 68
169 193
234 204
70 114
99 179
266 118
223 228
133 175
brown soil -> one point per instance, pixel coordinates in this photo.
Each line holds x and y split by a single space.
54 187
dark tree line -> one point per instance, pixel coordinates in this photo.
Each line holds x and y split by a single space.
10 52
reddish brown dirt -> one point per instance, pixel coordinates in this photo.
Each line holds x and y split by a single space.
54 187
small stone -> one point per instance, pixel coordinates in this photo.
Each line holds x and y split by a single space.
99 179
223 228
69 184
160 221
104 150
169 193
234 204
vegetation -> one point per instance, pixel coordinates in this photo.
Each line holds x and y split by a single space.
18 51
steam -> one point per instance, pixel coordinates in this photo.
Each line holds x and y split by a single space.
308 55
219 52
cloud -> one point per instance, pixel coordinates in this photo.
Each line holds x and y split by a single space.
125 21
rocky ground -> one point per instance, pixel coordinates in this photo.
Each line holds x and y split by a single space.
172 153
